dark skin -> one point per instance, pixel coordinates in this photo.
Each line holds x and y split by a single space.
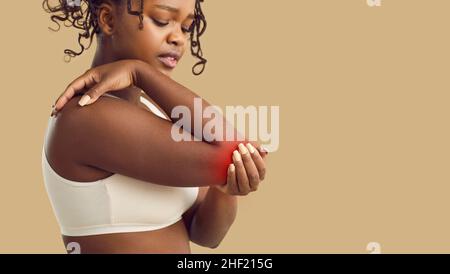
130 129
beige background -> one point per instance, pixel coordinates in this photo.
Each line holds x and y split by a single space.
363 96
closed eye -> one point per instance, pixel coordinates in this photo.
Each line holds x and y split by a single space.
163 24
159 23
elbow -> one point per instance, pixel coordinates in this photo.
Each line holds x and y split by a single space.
214 246
210 245
219 162
204 240
208 241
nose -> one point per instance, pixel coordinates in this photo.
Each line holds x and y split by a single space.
176 36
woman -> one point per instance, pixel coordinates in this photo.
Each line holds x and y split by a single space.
118 182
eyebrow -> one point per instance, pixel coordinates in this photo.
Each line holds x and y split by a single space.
172 9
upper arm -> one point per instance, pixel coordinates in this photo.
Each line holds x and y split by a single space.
119 137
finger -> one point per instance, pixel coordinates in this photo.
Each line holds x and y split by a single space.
241 174
258 160
261 149
77 86
93 94
231 180
250 167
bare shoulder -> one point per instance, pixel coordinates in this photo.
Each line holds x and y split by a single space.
73 123
84 126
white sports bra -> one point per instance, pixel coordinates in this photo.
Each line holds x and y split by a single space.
115 204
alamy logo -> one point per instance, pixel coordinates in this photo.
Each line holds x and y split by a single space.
374 248
74 247
215 130
73 3
374 3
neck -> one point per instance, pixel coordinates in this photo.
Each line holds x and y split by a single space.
104 56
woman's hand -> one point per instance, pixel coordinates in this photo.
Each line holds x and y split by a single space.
245 173
99 80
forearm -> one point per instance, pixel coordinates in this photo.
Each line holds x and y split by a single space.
169 94
213 218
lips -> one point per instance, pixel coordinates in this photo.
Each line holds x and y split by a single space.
169 59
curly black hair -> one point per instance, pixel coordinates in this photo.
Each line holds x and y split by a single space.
82 14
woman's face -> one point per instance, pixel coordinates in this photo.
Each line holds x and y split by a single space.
165 31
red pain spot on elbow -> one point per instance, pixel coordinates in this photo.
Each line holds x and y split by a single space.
223 161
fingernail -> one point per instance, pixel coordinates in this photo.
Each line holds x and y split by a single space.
84 100
231 168
236 156
263 149
242 149
250 148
